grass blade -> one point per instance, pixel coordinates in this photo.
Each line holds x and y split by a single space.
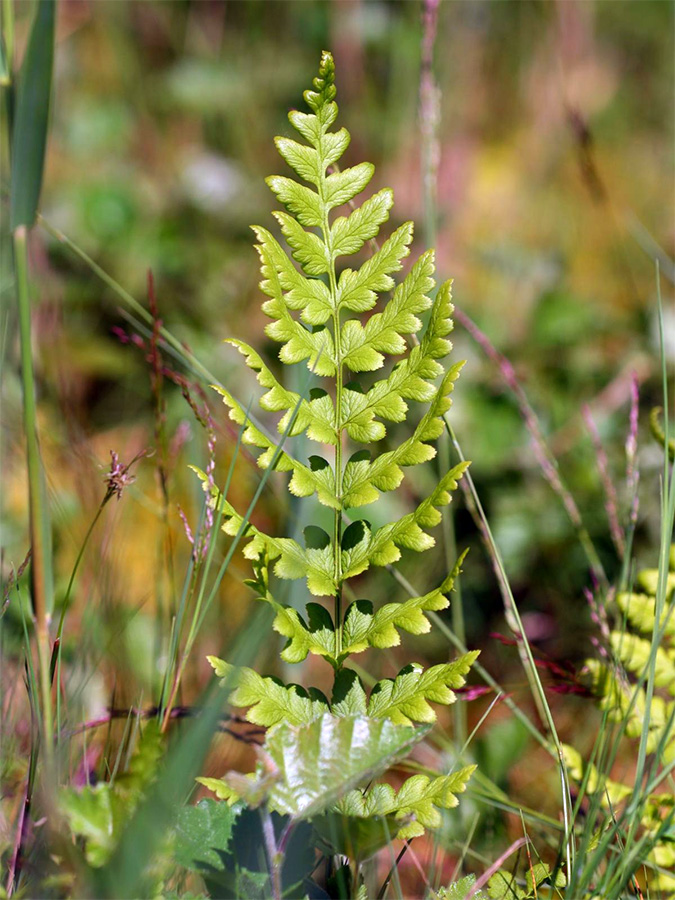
29 138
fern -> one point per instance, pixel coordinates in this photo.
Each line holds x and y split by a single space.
618 683
315 303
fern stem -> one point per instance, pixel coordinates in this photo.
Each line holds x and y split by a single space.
337 521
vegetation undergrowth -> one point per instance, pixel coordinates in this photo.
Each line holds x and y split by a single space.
350 782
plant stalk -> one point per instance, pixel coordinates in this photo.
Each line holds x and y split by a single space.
41 574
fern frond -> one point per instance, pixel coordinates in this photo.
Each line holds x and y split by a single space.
363 479
364 628
417 801
404 699
328 319
270 702
382 547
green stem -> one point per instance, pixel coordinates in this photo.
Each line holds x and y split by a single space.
8 32
337 522
456 608
69 589
42 591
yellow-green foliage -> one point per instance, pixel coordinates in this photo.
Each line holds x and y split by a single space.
619 682
317 306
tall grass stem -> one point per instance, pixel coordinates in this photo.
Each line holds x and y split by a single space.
40 532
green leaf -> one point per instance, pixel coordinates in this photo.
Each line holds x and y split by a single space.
363 628
349 698
348 234
358 291
203 835
382 546
416 804
307 248
404 699
362 479
634 652
303 202
409 531
343 186
307 161
270 701
31 120
649 579
254 437
316 754
641 612
221 789
317 636
539 873
597 782
320 762
502 886
383 331
292 561
99 813
459 889
90 815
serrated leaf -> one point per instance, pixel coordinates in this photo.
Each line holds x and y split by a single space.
349 233
317 636
641 612
649 580
221 789
382 546
405 699
291 560
416 804
634 652
203 835
303 202
306 247
349 698
459 889
307 161
409 531
363 628
363 346
320 762
502 886
538 873
270 702
342 187
597 782
385 472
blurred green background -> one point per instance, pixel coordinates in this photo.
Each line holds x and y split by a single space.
554 198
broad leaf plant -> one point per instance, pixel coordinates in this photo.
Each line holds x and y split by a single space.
321 312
